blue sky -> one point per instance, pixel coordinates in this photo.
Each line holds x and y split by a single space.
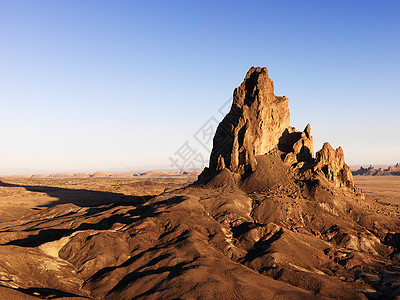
112 85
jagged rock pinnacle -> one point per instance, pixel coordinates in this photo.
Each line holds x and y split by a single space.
257 124
253 126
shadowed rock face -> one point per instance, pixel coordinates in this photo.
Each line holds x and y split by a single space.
258 124
296 146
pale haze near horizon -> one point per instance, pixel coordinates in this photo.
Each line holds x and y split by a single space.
122 85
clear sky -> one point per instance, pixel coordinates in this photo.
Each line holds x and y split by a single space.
109 85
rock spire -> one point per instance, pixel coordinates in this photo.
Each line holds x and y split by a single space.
257 124
252 127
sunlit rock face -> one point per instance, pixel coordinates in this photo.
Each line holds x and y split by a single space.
258 124
331 163
253 126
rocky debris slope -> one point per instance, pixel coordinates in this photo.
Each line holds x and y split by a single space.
371 171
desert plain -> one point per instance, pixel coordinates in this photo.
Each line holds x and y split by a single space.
21 196
384 189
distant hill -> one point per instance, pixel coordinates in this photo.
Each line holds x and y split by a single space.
372 171
102 174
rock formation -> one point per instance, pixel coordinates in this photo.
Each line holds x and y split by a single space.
267 220
371 171
331 163
253 126
258 124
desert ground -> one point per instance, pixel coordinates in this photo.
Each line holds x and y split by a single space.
39 216
383 189
23 199
21 196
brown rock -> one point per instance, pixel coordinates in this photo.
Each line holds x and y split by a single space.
297 146
371 171
331 164
257 125
253 126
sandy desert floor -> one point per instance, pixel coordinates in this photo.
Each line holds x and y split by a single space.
380 188
21 196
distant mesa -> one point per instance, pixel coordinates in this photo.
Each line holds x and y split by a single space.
258 126
372 171
69 175
39 176
103 174
81 175
156 173
100 174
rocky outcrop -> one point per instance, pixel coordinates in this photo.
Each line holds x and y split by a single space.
371 171
330 163
297 146
395 168
258 124
252 127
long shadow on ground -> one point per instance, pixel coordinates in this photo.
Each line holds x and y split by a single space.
82 197
95 202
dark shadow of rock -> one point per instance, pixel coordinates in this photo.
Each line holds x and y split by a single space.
95 203
82 197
